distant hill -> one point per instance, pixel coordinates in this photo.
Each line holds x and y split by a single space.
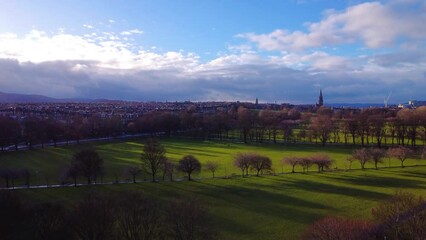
24 98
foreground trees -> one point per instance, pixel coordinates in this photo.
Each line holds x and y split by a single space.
401 217
152 157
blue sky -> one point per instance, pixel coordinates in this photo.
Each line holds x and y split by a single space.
277 51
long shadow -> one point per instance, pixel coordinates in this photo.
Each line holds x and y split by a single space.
379 181
312 186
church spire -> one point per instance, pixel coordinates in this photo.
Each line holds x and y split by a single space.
320 99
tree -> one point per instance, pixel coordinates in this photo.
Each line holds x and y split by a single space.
337 228
9 176
260 163
73 171
322 161
93 218
322 126
401 153
152 157
242 161
132 171
189 220
49 222
377 156
138 218
212 167
89 164
189 164
402 217
362 155
305 163
169 169
292 161
12 215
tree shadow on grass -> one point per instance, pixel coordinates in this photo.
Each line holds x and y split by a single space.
312 186
379 181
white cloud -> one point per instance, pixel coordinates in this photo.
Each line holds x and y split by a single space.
375 24
88 26
131 32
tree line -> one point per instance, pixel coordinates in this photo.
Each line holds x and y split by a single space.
127 215
88 164
370 126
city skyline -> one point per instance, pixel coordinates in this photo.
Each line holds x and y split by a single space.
277 51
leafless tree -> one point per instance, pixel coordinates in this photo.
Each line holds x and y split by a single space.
152 157
401 153
337 228
94 218
49 222
260 163
139 218
168 169
132 171
189 220
402 217
362 155
292 161
89 164
322 161
189 164
212 167
242 161
377 156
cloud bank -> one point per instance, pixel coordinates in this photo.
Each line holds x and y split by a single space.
281 66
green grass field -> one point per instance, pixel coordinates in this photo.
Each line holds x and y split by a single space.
268 207
50 162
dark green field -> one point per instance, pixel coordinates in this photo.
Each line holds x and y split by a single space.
267 207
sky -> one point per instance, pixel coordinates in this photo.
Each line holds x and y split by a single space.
281 51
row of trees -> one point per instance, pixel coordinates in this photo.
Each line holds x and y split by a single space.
125 216
401 217
373 126
88 164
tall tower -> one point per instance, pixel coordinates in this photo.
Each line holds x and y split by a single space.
320 99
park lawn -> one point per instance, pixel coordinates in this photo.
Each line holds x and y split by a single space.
47 165
268 207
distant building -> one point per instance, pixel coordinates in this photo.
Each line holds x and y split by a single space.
257 101
320 99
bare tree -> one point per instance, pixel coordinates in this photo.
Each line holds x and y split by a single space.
50 222
377 156
212 167
93 218
242 161
189 220
73 172
322 161
152 157
12 215
260 163
89 164
292 161
350 160
189 164
169 169
132 171
402 217
305 163
336 228
401 153
362 155
138 218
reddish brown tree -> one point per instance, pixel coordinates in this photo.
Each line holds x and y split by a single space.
152 157
212 167
242 161
322 161
401 153
362 155
337 228
260 163
292 161
377 156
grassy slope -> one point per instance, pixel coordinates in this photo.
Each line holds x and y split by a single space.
117 155
271 207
